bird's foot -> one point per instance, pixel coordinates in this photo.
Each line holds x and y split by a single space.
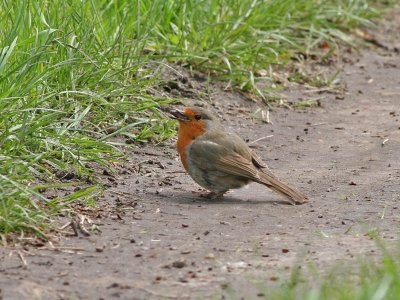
209 195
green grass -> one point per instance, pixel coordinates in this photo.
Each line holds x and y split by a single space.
76 74
374 277
365 279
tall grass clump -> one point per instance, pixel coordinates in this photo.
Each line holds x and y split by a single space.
70 76
235 39
74 74
367 278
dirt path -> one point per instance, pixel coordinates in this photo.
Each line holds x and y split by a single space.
157 239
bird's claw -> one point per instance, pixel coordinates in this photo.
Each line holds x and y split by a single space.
209 195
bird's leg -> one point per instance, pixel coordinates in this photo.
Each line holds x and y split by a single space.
213 195
210 195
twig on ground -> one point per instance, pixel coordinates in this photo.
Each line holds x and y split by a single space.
261 139
317 124
282 103
265 117
65 225
21 256
83 229
74 227
62 249
327 89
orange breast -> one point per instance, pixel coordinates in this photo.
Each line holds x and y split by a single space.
188 131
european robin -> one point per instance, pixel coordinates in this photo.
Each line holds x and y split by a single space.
219 160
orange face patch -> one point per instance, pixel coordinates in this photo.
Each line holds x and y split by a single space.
189 113
189 131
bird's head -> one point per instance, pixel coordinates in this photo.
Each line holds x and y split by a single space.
194 116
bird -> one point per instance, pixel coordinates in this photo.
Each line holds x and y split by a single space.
219 160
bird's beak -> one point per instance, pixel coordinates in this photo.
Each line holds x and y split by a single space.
178 115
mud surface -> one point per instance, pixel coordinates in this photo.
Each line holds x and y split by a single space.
158 239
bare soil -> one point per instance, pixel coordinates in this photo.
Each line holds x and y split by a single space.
159 240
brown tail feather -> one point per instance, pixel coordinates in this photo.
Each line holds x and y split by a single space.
274 184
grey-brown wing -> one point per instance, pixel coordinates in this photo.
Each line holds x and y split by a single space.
239 146
211 156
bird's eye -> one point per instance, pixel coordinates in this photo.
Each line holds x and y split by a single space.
197 117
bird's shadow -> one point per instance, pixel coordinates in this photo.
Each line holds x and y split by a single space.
188 198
